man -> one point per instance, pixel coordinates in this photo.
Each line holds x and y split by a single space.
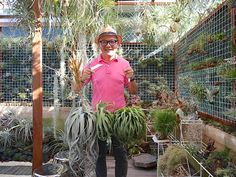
110 74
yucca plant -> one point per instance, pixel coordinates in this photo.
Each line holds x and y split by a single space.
80 129
104 122
129 124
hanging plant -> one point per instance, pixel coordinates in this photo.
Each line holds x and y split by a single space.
197 90
233 43
104 122
80 130
220 37
175 27
129 124
210 38
74 66
230 74
227 70
231 97
197 46
208 63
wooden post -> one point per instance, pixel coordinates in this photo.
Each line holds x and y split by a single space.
1 76
37 88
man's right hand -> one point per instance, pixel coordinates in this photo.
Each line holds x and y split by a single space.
86 74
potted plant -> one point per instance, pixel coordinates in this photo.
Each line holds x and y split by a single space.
171 160
164 122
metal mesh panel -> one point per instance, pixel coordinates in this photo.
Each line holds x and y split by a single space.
214 37
17 72
149 69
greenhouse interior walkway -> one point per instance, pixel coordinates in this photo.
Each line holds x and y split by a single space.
23 169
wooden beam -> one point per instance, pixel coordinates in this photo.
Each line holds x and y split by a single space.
37 88
225 122
1 73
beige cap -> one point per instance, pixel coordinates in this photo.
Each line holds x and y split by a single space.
108 31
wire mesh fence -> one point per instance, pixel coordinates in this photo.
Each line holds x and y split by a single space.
209 41
16 71
200 56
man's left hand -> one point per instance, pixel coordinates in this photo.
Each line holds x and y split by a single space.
129 72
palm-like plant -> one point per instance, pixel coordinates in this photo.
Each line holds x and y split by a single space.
164 121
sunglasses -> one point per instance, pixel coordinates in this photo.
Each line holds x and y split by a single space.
111 42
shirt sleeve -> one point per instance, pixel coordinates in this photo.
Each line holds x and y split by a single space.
126 79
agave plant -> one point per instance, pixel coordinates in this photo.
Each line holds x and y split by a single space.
80 129
129 124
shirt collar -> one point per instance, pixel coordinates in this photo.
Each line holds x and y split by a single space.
100 59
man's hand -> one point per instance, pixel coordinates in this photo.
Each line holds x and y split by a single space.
129 72
86 74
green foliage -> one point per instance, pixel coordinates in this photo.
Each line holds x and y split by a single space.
158 62
190 106
226 70
164 121
57 143
129 124
209 62
220 36
231 74
230 112
104 122
210 38
197 46
227 172
233 44
157 88
185 81
197 90
6 138
14 130
80 131
219 158
10 42
169 161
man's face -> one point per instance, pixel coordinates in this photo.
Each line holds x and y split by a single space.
108 45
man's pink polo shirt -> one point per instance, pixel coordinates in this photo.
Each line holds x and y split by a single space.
108 82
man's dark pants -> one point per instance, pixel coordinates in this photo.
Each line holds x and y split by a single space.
120 154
